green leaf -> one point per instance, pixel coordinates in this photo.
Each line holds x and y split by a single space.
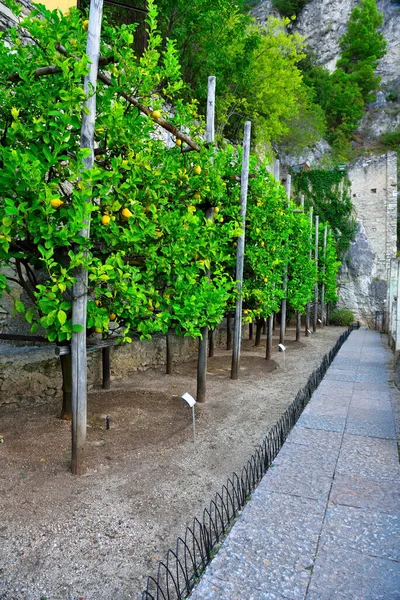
19 306
62 316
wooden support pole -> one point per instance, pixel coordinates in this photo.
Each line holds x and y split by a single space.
323 277
277 170
298 326
170 354
282 329
273 321
105 360
229 333
264 327
315 315
203 342
270 322
308 308
288 186
240 252
79 290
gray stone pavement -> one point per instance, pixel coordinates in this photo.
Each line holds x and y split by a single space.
324 523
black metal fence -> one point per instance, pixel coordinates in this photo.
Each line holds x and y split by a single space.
183 565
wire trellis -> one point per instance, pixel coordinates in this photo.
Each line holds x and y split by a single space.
184 565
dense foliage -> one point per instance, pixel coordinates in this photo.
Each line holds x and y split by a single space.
154 260
328 192
343 93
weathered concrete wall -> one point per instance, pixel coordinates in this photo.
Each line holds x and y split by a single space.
364 277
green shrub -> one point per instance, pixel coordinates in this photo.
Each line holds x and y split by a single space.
391 139
341 316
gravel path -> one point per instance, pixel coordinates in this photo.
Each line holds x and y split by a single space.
97 537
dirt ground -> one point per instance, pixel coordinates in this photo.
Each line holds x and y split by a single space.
97 537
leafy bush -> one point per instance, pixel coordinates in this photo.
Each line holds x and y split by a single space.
342 317
391 139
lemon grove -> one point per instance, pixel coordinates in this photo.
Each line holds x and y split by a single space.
154 261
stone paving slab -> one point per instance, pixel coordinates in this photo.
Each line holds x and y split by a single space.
366 492
268 553
349 575
364 531
324 523
369 457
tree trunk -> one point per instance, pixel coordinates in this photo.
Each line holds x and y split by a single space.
169 367
66 369
259 328
229 333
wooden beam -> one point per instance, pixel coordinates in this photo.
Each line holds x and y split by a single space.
323 273
315 315
240 252
308 308
79 290
203 341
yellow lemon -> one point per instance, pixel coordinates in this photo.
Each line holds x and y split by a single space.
56 202
112 317
265 279
126 213
262 243
156 114
216 210
105 219
178 142
245 312
98 330
86 25
197 169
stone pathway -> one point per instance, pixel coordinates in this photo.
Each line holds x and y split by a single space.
324 523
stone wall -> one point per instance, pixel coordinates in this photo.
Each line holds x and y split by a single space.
364 277
32 375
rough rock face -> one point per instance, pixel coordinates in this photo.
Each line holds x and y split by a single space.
363 280
322 22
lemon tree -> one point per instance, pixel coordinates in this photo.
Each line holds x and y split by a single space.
152 258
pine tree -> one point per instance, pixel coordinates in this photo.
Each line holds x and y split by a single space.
362 46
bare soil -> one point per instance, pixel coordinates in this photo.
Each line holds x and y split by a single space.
97 537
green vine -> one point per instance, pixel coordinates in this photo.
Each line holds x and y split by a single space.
328 192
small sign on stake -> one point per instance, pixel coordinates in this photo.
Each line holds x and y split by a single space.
190 401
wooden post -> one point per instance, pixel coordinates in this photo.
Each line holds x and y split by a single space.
264 327
323 273
308 308
202 355
269 336
282 329
79 290
229 333
170 354
288 186
105 360
277 170
298 325
315 319
244 183
211 343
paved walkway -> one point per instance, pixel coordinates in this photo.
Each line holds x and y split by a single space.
324 522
